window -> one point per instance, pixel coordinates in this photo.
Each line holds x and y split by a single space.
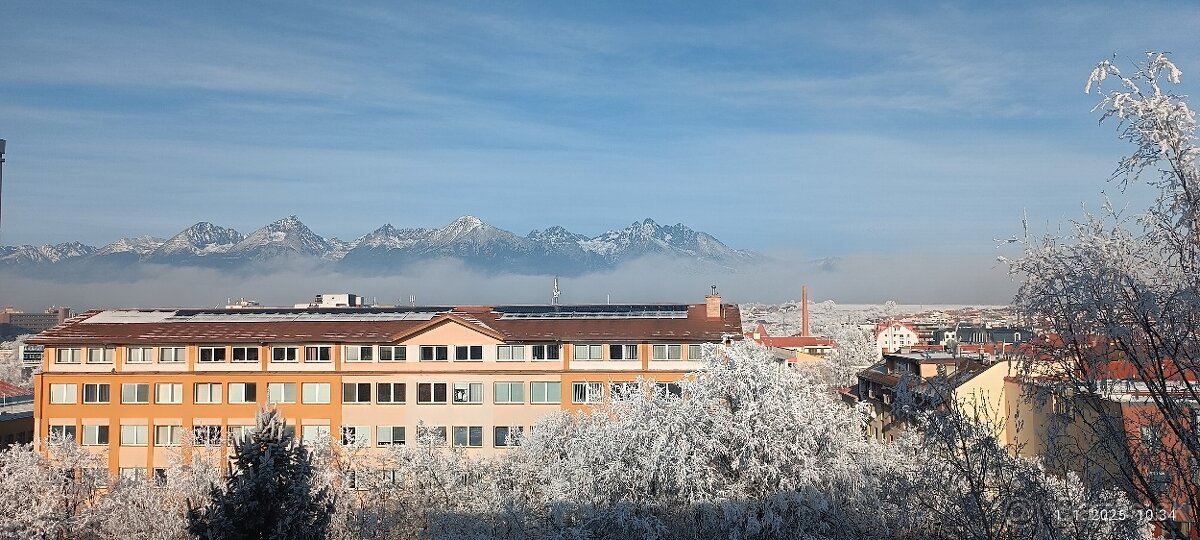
92 392
390 392
206 435
669 388
390 353
167 435
171 355
63 393
239 433
509 392
356 392
666 352
587 392
545 392
281 392
431 392
622 352
314 433
208 393
547 352
100 355
470 436
358 353
588 352
356 436
318 353
63 432
623 388
468 352
1151 437
695 352
133 474
500 435
95 435
390 435
1160 482
212 354
436 434
435 353
66 356
510 352
284 354
160 477
139 355
245 354
243 392
316 392
133 435
166 392
135 393
468 392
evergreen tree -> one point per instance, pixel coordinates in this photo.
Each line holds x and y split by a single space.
270 492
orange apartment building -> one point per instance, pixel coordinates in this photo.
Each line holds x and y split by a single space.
134 384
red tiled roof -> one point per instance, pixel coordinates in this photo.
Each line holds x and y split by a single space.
695 327
8 390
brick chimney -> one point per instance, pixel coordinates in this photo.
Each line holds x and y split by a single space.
713 304
804 310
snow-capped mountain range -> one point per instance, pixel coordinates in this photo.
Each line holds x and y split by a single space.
387 249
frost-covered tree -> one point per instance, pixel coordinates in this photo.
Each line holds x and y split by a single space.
1121 294
49 492
270 492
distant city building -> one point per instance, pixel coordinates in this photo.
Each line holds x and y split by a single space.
891 336
806 347
334 300
14 322
16 415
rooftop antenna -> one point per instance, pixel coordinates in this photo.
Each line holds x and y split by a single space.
412 299
608 298
556 292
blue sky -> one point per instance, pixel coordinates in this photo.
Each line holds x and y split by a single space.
782 126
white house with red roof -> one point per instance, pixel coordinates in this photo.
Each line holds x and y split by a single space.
891 336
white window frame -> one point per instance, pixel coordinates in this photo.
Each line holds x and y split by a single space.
392 350
213 353
510 353
314 433
662 352
238 432
168 393
62 431
391 393
433 353
237 392
547 385
472 393
64 393
592 352
132 474
315 393
593 392
246 351
91 435
292 351
466 431
207 393
68 355
390 436
105 355
139 355
504 389
543 350
356 436
172 355
628 352
355 392
173 433
425 431
695 352
317 350
207 435
134 434
433 393
353 353
135 399
469 351
107 390
497 438
281 388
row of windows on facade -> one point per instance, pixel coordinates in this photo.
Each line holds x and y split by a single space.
355 479
503 392
357 436
369 353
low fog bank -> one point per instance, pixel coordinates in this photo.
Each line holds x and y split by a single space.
929 279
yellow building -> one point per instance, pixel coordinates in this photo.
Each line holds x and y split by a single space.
136 383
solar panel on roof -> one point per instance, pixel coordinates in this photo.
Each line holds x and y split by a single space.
262 316
595 311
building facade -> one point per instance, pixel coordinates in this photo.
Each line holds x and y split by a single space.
138 384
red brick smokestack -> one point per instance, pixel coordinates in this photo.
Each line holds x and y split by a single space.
804 310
